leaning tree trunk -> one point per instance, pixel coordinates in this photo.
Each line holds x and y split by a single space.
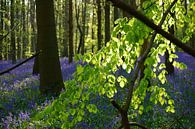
50 73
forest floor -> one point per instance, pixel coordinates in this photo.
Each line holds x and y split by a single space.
19 98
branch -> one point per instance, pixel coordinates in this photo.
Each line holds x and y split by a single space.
9 69
143 57
4 36
176 120
137 14
116 105
155 32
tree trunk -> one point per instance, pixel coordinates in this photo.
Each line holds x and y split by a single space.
99 34
168 64
24 39
50 73
116 14
1 28
107 22
70 32
66 28
13 42
33 25
83 27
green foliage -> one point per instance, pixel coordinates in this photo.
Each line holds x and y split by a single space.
99 73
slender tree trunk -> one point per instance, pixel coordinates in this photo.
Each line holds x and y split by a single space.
79 27
107 22
13 42
50 73
71 52
66 28
1 28
83 27
99 34
33 25
92 29
116 14
7 50
24 39
168 64
18 36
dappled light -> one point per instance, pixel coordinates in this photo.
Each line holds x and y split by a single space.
97 64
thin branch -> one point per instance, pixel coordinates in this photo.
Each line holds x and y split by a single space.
116 105
176 120
141 60
12 29
137 14
15 66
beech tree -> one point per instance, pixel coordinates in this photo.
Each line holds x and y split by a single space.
13 43
50 73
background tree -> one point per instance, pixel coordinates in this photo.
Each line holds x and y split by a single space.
107 22
99 26
66 28
1 28
13 43
71 49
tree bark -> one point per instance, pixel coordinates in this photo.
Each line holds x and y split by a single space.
50 73
24 30
1 28
71 52
107 22
99 34
13 42
66 29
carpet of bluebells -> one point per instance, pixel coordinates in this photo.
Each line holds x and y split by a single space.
20 98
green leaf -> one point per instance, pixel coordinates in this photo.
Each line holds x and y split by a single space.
141 109
72 111
122 84
79 69
111 79
92 108
124 65
162 76
101 90
179 65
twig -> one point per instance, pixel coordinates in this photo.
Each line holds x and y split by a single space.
4 36
116 105
15 66
137 14
176 120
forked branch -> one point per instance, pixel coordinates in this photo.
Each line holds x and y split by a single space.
137 14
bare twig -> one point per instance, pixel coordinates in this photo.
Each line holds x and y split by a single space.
12 29
116 105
